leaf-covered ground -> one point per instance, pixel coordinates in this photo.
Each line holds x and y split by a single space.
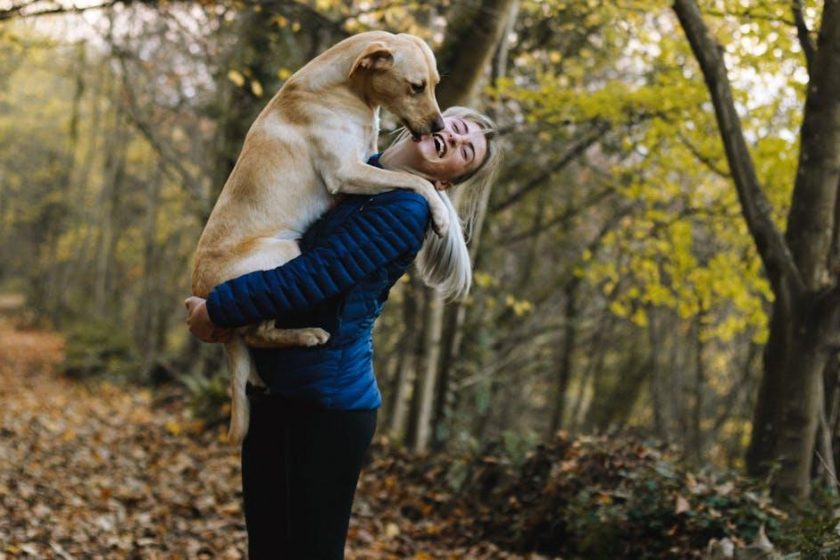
99 470
106 471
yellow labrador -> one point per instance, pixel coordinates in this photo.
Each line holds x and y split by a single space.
309 143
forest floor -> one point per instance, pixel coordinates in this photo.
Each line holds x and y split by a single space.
98 470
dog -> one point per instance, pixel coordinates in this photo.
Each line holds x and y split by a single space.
309 143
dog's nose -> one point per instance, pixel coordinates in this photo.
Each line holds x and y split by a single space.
437 124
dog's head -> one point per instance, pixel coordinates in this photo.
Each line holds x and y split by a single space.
400 74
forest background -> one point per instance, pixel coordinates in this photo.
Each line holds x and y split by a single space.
657 260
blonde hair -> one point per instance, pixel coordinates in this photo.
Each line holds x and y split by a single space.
444 262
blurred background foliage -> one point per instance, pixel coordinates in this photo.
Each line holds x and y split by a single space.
617 285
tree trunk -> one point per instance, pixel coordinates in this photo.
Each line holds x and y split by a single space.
616 393
428 375
564 358
831 386
657 402
108 227
406 367
80 180
596 356
472 37
695 451
827 468
148 312
796 421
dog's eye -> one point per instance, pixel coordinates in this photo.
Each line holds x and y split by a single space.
417 89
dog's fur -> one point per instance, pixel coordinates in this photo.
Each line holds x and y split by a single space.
311 142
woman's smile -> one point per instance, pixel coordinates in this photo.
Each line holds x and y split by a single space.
443 156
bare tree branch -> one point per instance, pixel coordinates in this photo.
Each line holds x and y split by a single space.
705 160
750 13
170 160
574 150
563 218
48 9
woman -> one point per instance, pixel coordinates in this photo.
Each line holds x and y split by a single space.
310 428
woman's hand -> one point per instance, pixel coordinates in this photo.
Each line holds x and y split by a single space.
200 325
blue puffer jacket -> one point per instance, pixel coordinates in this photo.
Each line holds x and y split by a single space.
350 259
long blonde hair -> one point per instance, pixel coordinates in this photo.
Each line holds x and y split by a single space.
444 262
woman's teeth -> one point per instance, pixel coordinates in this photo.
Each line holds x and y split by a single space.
440 145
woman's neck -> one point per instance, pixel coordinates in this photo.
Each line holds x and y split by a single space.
392 160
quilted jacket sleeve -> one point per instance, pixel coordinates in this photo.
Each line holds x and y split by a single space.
388 226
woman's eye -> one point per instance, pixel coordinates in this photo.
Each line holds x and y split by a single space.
417 89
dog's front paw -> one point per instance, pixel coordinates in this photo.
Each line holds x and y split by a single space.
314 337
440 221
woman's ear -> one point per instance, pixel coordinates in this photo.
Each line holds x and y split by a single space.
441 185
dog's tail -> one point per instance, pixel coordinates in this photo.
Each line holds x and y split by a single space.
239 364
444 262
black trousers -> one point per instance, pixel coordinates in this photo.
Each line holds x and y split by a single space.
300 466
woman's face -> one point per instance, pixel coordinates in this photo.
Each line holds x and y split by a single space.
443 156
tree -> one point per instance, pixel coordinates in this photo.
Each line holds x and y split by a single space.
801 264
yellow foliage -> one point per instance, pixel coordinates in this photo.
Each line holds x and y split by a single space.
484 280
519 306
619 308
639 317
236 77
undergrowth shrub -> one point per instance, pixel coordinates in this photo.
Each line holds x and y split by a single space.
600 498
208 395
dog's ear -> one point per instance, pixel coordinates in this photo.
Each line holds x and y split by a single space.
376 56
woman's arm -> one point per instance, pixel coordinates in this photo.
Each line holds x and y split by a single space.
389 226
